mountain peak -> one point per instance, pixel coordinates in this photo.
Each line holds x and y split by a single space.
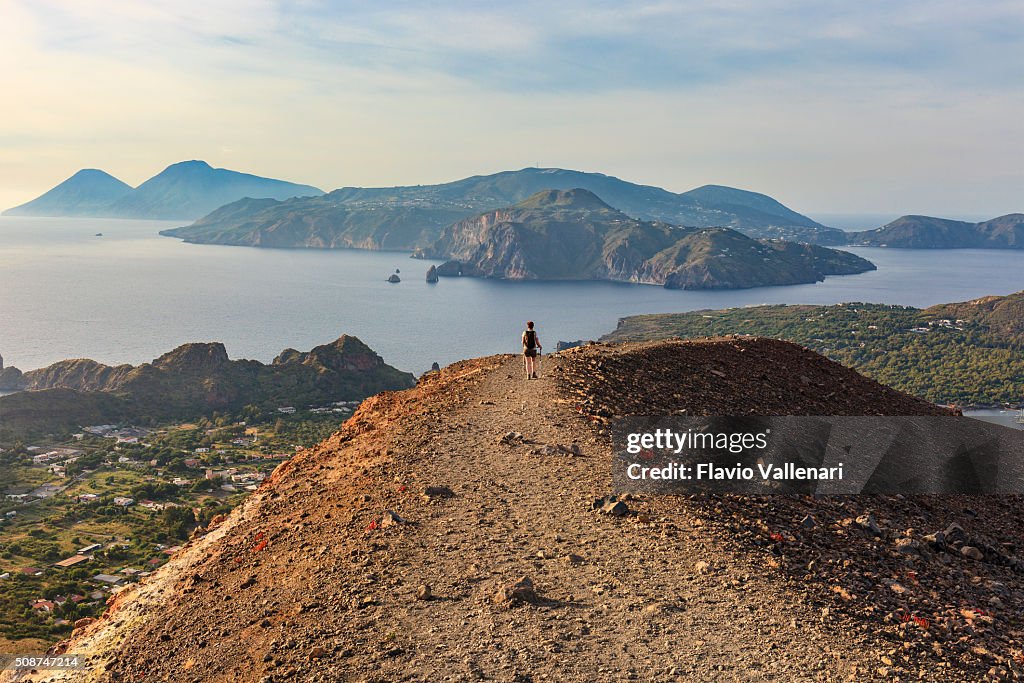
193 357
344 353
190 166
194 188
576 198
919 218
87 193
91 173
186 190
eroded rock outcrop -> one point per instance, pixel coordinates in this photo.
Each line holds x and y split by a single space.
195 379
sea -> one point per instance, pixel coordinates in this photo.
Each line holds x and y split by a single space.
1005 417
117 292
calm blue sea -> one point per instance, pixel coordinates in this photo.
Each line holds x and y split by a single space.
130 295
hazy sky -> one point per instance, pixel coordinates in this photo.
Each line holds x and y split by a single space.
866 106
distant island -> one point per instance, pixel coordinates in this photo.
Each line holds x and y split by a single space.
969 353
926 232
190 381
240 209
407 218
186 190
574 235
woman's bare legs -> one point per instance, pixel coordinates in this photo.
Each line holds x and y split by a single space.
528 363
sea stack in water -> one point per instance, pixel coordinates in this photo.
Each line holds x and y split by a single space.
432 274
394 278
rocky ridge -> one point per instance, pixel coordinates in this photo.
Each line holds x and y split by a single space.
194 379
926 232
464 530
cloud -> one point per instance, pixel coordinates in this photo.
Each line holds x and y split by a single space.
582 46
827 104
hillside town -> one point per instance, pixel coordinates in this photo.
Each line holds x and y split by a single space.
84 517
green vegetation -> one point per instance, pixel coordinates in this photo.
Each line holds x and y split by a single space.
125 492
57 497
405 218
32 413
964 354
925 232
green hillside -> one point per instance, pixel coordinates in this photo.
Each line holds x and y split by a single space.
969 353
409 217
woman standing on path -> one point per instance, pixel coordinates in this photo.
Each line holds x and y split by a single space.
531 346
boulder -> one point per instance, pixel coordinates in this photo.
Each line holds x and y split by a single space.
611 505
936 540
972 553
955 534
432 492
390 518
432 274
83 622
510 438
869 523
521 592
907 546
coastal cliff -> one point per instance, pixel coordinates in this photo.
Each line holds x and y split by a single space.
574 235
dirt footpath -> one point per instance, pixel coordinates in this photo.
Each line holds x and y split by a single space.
448 534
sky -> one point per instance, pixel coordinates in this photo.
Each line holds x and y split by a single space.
830 107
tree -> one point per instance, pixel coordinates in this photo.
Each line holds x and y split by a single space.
179 521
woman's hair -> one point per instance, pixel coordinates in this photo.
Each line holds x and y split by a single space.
529 324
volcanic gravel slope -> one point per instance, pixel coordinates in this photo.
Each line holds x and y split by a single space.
314 580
